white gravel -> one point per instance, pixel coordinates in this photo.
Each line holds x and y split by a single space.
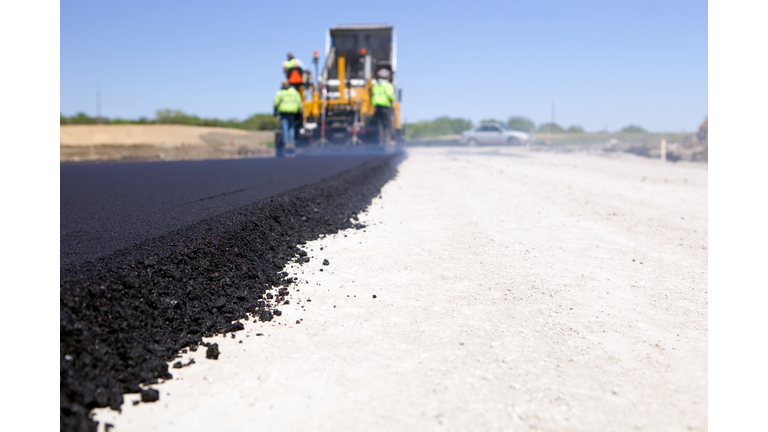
515 291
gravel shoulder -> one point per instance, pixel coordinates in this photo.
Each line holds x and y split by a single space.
513 291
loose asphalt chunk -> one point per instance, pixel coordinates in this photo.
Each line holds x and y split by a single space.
150 395
124 316
212 352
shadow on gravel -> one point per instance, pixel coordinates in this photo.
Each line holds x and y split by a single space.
124 316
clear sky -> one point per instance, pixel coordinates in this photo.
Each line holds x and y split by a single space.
604 63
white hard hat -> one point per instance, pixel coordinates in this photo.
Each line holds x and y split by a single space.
384 73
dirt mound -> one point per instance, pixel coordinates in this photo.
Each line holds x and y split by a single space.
690 148
680 147
160 142
124 316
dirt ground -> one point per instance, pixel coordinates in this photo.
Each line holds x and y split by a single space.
160 142
513 291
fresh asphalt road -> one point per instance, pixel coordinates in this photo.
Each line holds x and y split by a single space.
109 206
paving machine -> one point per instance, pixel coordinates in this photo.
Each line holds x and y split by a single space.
337 104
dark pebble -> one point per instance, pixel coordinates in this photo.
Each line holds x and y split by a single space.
326 262
277 312
212 352
298 322
265 315
150 395
374 296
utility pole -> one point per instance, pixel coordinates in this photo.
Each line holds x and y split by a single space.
98 105
553 114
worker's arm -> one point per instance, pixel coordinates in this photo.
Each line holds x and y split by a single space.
391 92
278 98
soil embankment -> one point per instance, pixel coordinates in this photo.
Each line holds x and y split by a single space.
160 142
679 147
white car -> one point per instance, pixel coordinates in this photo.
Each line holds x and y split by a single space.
495 134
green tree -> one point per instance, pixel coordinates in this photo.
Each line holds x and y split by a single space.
440 126
261 122
575 129
521 124
551 128
633 129
486 121
170 116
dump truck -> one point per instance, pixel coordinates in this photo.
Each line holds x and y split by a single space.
337 103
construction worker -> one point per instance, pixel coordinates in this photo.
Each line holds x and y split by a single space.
288 105
293 69
382 96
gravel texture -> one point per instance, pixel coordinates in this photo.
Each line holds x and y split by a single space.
125 316
514 291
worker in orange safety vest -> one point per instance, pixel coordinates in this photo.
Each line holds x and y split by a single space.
293 69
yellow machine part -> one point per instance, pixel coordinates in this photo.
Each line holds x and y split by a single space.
348 97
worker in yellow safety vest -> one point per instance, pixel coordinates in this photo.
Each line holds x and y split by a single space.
382 96
289 106
293 69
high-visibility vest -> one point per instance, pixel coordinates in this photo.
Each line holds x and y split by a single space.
382 94
288 101
292 66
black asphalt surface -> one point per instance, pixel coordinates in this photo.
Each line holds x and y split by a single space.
109 206
226 234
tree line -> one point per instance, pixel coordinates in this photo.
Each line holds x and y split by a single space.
451 126
178 117
428 128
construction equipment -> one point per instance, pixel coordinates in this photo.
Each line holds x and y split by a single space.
337 105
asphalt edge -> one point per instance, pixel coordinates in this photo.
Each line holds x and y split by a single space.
124 316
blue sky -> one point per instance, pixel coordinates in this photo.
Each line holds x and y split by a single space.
604 63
